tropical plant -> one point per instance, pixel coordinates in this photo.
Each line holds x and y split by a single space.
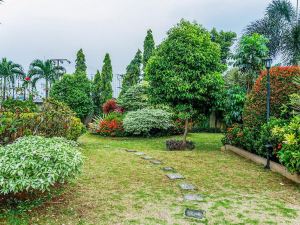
185 71
281 26
250 57
110 124
36 164
46 70
75 91
133 73
9 71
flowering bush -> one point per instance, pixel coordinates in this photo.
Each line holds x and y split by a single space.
36 163
282 87
112 106
108 125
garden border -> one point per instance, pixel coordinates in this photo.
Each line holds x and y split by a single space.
275 167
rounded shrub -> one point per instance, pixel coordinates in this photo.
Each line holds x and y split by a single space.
282 87
36 163
147 122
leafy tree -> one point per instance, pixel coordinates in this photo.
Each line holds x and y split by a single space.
46 70
149 47
185 71
102 84
250 55
75 92
225 40
136 97
80 66
133 73
281 26
8 72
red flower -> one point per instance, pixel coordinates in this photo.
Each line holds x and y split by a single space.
27 78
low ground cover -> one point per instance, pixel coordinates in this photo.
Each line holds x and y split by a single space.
117 187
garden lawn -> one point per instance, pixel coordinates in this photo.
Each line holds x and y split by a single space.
117 187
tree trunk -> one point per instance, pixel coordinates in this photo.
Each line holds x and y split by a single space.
186 127
24 93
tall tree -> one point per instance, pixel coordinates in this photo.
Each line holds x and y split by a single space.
281 26
249 58
46 70
225 39
80 66
149 47
185 72
8 72
102 84
133 72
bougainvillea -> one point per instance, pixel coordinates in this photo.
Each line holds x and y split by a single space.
282 87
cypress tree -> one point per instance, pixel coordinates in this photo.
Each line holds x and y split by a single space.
80 63
102 84
133 73
149 47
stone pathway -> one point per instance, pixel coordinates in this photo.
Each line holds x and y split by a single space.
190 213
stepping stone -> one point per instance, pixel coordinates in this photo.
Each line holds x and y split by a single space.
168 169
196 214
139 153
128 150
193 197
175 176
147 157
156 162
187 187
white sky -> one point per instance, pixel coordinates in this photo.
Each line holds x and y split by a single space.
45 29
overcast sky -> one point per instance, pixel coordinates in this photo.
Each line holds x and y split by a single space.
45 29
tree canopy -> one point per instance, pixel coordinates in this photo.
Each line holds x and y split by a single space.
185 71
80 66
149 47
133 72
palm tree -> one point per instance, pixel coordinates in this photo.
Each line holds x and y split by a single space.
29 82
46 70
281 26
9 71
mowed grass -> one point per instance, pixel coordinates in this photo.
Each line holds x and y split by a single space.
117 187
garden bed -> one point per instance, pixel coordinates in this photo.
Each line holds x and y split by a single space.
276 167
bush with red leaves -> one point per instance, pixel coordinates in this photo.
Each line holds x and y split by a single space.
112 106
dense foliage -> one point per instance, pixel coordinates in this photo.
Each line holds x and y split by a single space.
80 67
75 91
184 71
36 163
110 124
133 72
102 84
282 87
147 122
149 47
136 97
15 106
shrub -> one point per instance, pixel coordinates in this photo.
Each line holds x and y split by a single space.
289 149
135 97
111 125
58 120
36 163
282 87
17 106
111 106
147 122
176 145
75 91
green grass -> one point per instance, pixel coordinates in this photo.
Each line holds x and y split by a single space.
117 187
